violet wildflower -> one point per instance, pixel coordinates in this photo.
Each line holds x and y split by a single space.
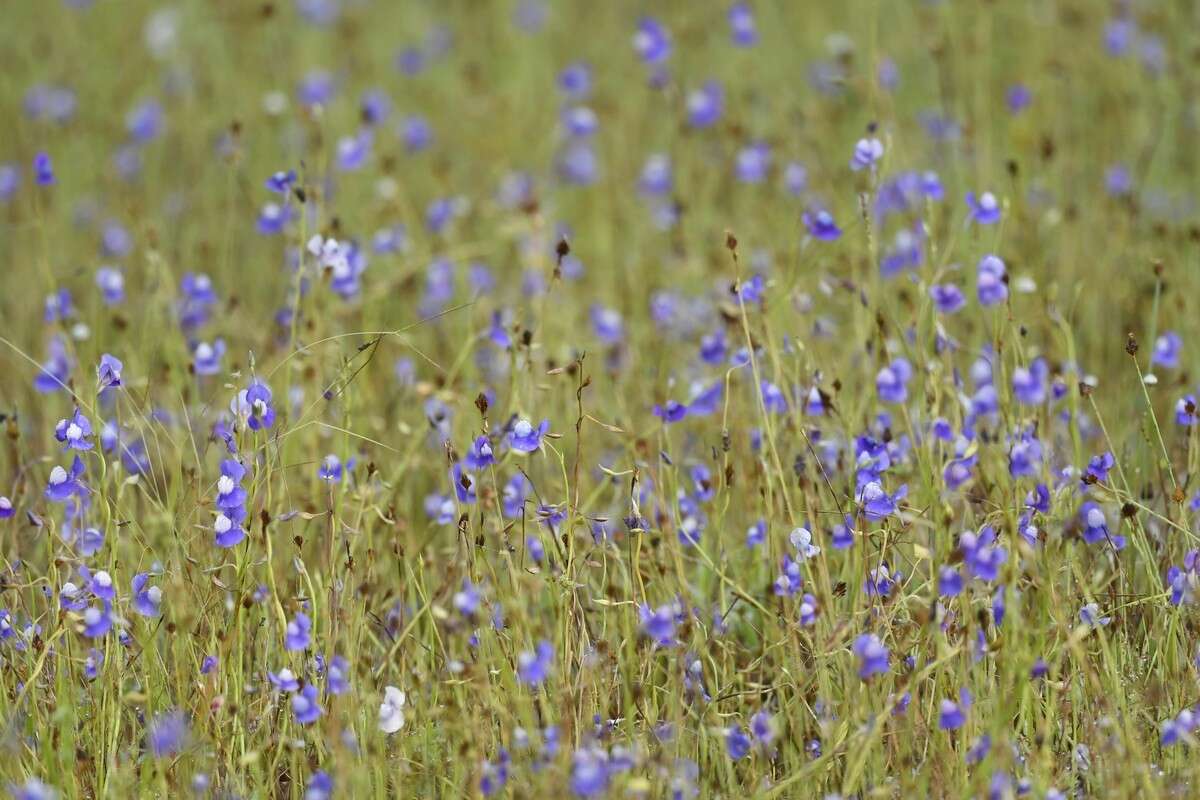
1095 526
801 539
228 530
391 710
659 624
6 507
1180 728
1089 615
1025 455
147 600
97 621
1029 383
330 469
952 715
821 226
319 786
111 283
63 485
108 373
867 153
651 41
741 24
753 162
32 789
75 432
1166 350
872 655
206 358
950 582
284 680
737 743
985 210
982 554
55 370
299 633
1185 410
524 438
1099 466
534 666
43 169
480 455
167 734
877 503
992 281
306 705
892 381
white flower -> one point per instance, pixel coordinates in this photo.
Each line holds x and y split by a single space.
391 710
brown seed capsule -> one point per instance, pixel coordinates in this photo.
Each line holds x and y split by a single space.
1131 345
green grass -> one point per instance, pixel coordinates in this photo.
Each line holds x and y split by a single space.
378 577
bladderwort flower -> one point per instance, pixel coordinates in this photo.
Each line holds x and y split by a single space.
607 324
651 41
950 582
1180 728
284 680
337 678
108 372
32 789
64 485
1095 526
880 581
1184 582
6 507
1025 455
1185 410
1099 466
253 406
298 635
391 710
982 555
1090 616
867 153
1167 349
43 169
872 655
480 455
741 24
877 503
985 210
167 734
820 225
706 104
801 539
330 469
992 282
146 600
97 621
75 432
524 438
659 624
56 369
306 705
1029 383
197 297
111 283
206 358
670 412
319 786
753 162
227 527
953 715
737 743
534 666
891 382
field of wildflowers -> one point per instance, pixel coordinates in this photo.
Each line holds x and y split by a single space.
548 398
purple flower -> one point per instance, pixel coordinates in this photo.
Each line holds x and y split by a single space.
877 503
480 455
985 210
228 529
6 507
75 432
1099 466
741 25
892 381
299 632
673 411
821 226
534 667
952 715
108 373
206 358
62 484
659 624
330 469
1185 410
753 162
32 789
1095 526
111 282
950 582
147 601
651 41
1181 727
737 743
254 405
992 281
1166 350
1090 615
576 80
306 705
337 679
1018 98
56 369
43 170
1029 383
867 153
97 621
872 655
524 438
167 733
705 104
319 786
284 680
607 324
981 554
